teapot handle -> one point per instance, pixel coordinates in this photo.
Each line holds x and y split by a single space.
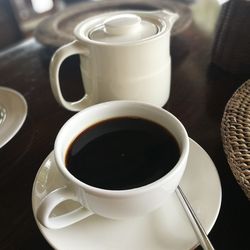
59 56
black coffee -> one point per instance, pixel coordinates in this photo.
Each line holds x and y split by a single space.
122 153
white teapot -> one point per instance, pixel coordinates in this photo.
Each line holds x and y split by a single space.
124 55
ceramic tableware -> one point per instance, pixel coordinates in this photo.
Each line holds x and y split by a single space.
110 203
123 55
13 112
166 228
57 29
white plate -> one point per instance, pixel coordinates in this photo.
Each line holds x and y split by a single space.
14 111
165 228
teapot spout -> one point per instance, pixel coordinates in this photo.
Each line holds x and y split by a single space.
167 15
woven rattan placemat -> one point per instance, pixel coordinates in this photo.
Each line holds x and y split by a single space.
235 131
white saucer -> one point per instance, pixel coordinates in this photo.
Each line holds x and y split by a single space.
165 228
14 108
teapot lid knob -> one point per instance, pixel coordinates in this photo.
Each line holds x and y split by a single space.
122 24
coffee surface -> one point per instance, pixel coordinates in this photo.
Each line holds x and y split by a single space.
122 153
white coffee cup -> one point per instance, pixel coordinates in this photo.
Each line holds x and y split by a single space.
124 55
114 204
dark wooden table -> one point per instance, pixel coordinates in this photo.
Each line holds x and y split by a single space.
199 94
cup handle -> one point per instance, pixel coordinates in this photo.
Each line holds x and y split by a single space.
43 213
59 56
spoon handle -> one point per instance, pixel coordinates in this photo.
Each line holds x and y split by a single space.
199 230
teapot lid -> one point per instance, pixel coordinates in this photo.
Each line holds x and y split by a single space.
119 27
123 27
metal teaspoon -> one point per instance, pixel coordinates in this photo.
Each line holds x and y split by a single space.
199 230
